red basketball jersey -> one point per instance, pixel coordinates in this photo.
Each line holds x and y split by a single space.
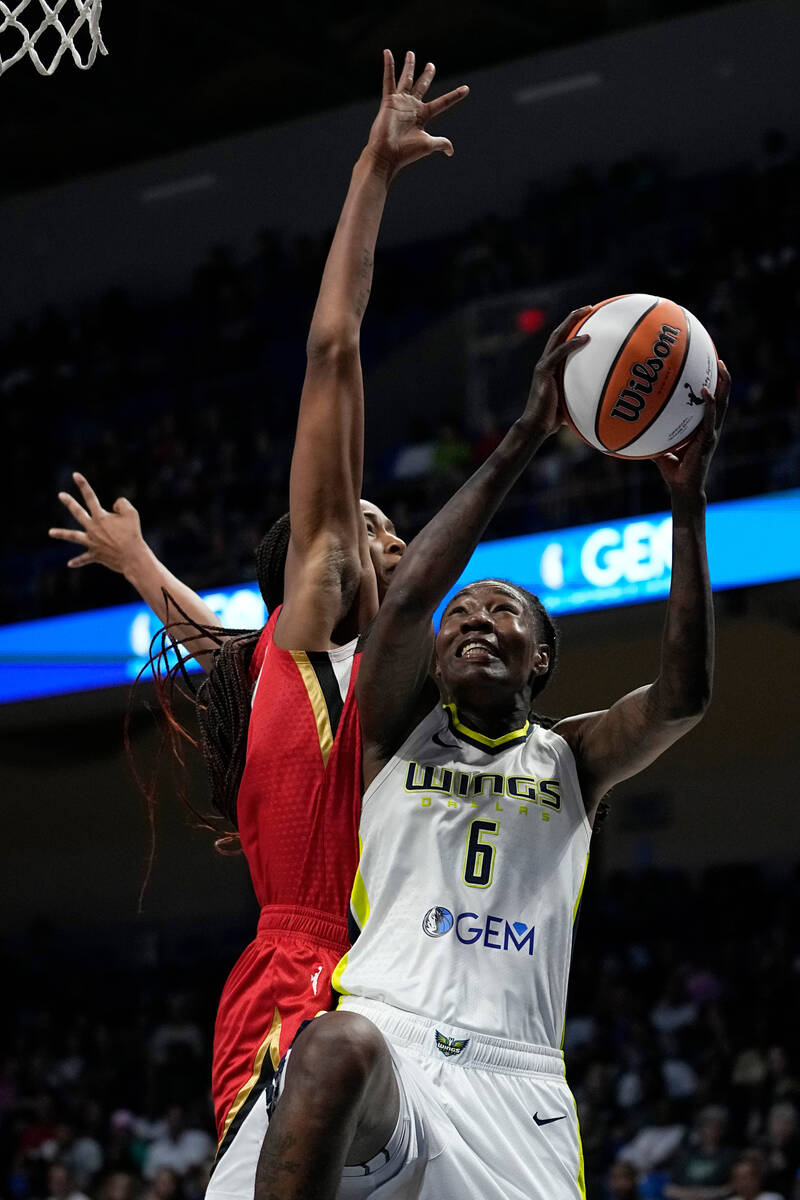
298 810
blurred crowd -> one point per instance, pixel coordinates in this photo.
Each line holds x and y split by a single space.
187 405
682 1047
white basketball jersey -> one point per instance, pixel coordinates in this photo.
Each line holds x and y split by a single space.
473 857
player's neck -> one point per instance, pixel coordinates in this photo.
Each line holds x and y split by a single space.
492 720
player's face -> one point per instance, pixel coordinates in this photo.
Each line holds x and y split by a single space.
385 547
488 636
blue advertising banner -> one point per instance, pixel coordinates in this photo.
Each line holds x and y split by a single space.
586 567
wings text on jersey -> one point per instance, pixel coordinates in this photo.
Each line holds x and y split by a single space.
469 785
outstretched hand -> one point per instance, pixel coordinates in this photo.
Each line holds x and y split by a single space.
399 135
544 410
110 538
686 471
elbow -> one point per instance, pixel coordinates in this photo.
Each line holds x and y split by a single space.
409 599
332 345
687 706
691 710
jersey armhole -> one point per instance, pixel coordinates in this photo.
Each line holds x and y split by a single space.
567 757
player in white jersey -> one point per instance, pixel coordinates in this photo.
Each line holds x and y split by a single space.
441 1075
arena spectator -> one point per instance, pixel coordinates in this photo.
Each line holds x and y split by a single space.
746 1182
179 1148
781 1147
61 1185
119 1185
165 1185
656 1142
621 1182
702 1171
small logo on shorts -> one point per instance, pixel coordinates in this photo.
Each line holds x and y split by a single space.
449 1046
437 921
547 1120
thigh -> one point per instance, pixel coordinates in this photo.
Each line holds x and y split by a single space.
520 1130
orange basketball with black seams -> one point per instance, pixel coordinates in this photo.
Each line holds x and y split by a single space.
635 389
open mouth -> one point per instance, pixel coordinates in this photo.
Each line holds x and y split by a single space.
475 649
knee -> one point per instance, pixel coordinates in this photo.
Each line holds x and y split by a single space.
336 1058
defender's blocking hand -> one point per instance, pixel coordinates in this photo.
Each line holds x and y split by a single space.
399 135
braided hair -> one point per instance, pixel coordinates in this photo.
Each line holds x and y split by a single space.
224 696
222 700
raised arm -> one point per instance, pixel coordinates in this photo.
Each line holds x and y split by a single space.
612 745
114 539
327 563
397 656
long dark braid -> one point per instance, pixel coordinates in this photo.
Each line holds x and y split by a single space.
222 699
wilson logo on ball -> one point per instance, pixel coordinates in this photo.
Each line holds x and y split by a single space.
644 375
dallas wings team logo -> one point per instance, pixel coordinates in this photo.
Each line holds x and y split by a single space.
437 921
449 1046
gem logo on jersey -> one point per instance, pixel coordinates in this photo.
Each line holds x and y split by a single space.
495 933
449 1046
437 921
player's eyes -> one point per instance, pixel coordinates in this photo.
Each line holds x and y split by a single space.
458 609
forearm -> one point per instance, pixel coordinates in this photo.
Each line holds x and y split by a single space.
347 278
439 554
683 688
327 461
152 580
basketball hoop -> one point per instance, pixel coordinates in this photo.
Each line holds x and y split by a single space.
56 17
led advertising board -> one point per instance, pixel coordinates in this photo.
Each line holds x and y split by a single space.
586 567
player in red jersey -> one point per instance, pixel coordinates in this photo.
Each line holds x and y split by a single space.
296 801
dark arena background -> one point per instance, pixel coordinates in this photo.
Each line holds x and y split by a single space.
164 218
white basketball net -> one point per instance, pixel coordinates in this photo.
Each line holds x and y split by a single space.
66 17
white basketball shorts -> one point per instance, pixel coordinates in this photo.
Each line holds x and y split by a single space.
481 1118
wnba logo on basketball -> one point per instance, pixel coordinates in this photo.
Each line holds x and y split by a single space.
437 921
644 375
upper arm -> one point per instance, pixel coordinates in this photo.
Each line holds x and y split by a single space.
620 741
323 567
392 678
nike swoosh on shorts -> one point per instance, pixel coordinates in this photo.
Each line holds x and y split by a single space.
547 1120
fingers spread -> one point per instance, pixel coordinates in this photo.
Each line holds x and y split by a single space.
81 560
437 106
70 535
389 84
87 491
443 144
424 82
74 509
407 77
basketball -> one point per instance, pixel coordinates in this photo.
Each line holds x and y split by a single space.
635 389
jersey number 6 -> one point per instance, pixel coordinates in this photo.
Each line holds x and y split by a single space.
479 855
